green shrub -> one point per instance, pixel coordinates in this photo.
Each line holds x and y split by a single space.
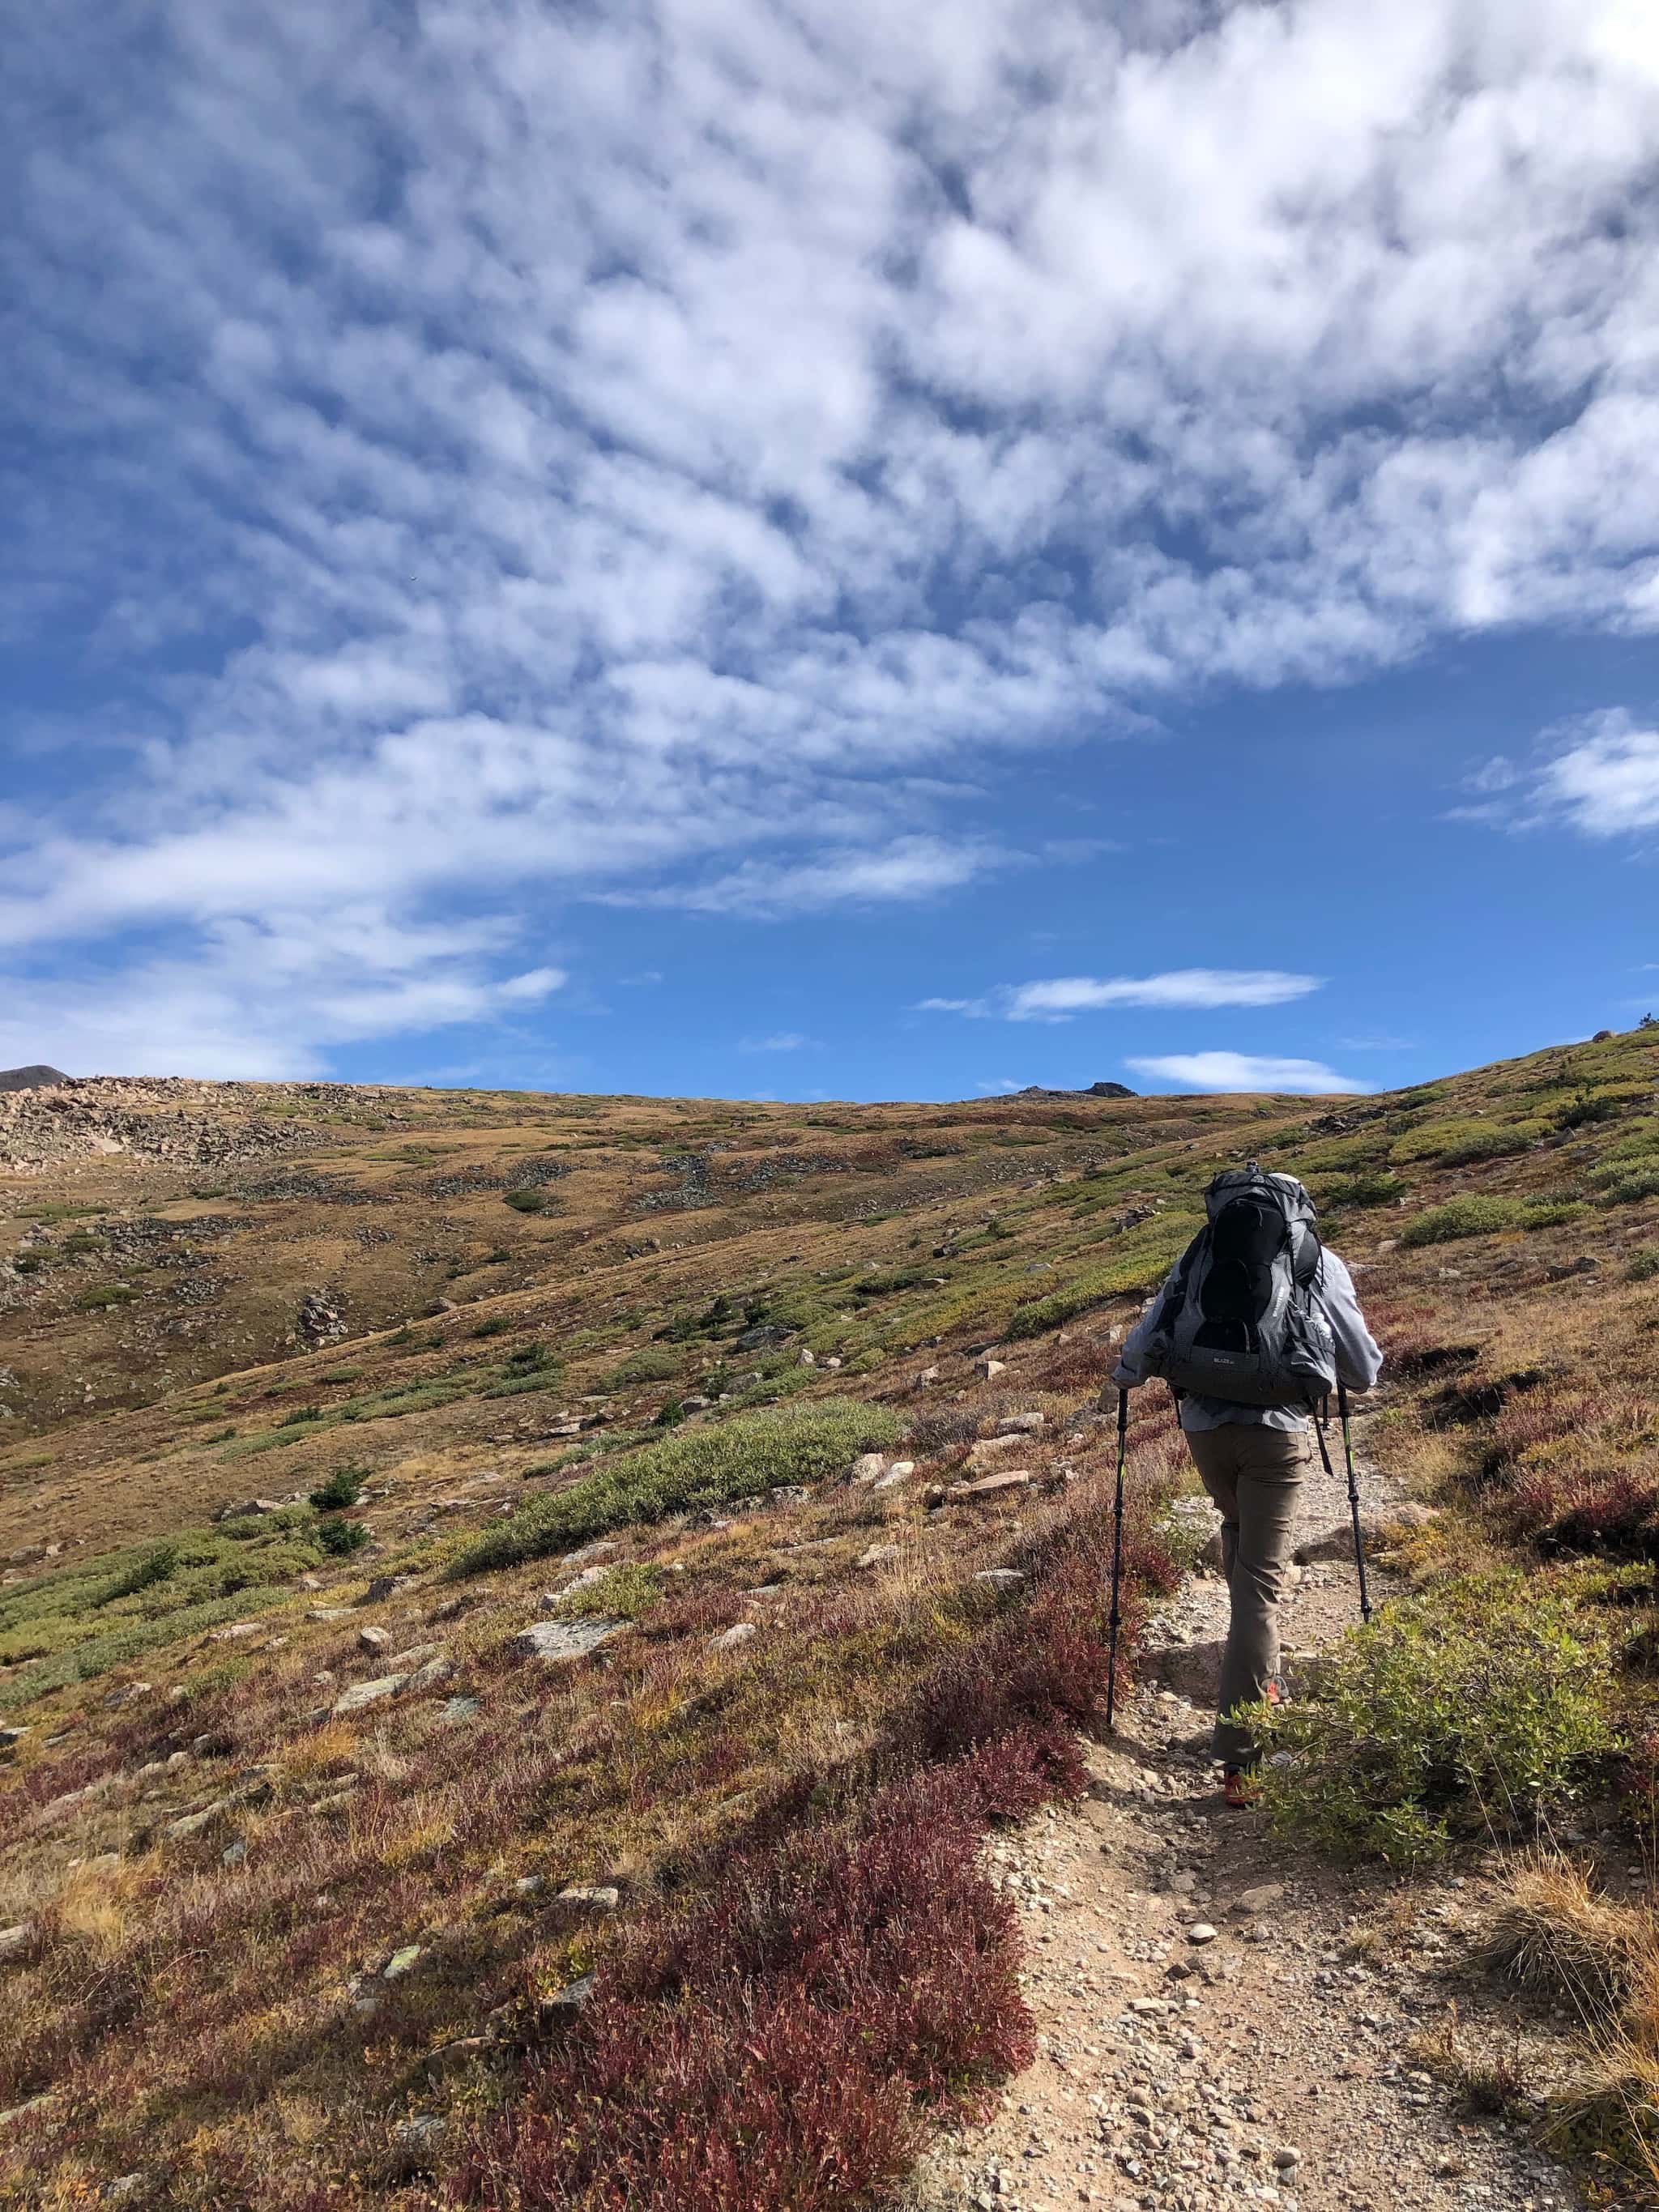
292 1420
883 1284
1469 1216
1645 1183
30 1263
1552 1212
1141 1267
110 1294
343 1487
1461 1143
1360 1191
653 1363
518 1380
742 1458
344 1375
622 1595
670 1416
83 1240
1643 1265
526 1201
341 1536
155 1566
497 1325
1483 1707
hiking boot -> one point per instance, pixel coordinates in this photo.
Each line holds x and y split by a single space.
1239 1788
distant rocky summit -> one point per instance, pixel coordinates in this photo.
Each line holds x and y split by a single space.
38 1078
1090 1090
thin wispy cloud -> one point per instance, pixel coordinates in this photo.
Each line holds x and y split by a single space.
659 452
905 870
779 1041
1062 997
1244 1072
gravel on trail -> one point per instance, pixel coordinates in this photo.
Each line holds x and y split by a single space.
1222 2021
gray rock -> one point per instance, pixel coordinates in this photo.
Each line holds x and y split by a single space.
1021 1424
564 2004
557 1642
10 1736
233 1854
1000 1578
787 1493
456 1712
580 1897
14 1940
420 2131
374 1639
989 1448
368 1693
1013 1478
191 1823
878 1555
402 1961
867 1466
733 1638
438 1669
418 1654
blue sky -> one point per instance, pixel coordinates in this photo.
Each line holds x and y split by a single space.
835 551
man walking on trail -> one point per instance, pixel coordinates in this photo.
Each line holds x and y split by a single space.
1255 1324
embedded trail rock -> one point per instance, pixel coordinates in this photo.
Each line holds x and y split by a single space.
1222 2019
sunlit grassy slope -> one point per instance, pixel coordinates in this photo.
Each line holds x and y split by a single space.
666 1329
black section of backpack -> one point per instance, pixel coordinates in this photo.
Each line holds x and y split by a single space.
1244 1240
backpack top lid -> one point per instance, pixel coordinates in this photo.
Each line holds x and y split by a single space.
1283 1191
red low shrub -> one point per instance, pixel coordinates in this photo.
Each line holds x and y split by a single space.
762 2050
1576 1510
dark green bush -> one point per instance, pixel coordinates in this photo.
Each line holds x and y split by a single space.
343 1487
497 1325
342 1537
1643 1265
527 1201
110 1294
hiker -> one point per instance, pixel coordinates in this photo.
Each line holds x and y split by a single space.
1255 1324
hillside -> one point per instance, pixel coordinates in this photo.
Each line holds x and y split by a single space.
457 1542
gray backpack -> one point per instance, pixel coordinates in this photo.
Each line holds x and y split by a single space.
1239 1320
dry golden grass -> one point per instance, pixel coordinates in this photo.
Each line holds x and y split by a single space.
1555 1936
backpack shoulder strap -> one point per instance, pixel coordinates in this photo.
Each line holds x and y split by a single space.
1175 1296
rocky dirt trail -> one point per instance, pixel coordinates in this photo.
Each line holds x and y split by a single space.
1223 2020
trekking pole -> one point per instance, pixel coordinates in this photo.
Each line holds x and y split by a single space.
1353 1498
1117 1558
1353 1489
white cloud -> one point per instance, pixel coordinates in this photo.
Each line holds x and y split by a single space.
578 451
265 1003
1599 776
781 1041
1060 997
1245 1072
1065 995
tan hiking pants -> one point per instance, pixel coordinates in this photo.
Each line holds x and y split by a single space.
1255 1474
